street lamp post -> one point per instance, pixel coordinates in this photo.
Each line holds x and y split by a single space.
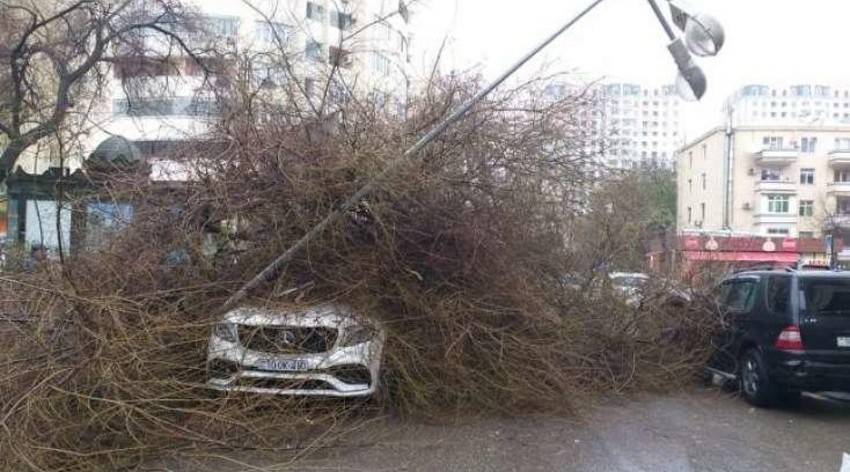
703 36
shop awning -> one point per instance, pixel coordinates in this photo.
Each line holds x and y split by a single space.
742 256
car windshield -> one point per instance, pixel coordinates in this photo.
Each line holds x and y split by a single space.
827 295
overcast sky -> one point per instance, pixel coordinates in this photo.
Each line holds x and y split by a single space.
767 41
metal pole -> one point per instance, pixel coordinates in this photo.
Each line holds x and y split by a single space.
671 35
727 170
267 273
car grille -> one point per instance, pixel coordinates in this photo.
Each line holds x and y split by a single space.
287 339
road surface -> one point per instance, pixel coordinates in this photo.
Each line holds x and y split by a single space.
699 430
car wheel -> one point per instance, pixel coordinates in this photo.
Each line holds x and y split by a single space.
756 386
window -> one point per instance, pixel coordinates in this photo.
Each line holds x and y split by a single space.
843 206
271 32
341 20
842 144
842 175
689 215
315 11
778 294
778 203
740 295
808 144
314 50
380 64
807 207
770 175
224 26
268 75
807 176
702 213
339 57
806 234
778 231
690 186
772 142
703 180
310 87
337 92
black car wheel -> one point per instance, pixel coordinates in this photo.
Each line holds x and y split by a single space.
756 386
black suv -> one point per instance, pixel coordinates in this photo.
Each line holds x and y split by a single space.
786 331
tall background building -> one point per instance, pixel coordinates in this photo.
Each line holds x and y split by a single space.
799 104
641 124
155 94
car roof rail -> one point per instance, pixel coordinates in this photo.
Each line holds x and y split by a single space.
764 267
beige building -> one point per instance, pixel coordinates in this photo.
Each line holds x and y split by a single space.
782 180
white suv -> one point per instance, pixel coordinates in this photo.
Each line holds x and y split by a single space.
319 350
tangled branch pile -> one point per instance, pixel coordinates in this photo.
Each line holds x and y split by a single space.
459 254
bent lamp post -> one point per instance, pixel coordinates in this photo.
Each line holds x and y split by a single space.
703 36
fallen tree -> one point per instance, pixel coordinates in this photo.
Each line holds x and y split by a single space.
459 254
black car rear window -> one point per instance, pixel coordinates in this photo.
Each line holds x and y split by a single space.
826 295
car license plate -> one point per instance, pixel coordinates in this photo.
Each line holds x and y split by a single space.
844 342
282 364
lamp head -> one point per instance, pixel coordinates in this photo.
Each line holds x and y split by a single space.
704 35
691 82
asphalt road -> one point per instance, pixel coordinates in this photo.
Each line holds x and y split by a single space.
699 430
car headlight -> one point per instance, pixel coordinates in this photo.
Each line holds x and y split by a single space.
225 331
354 335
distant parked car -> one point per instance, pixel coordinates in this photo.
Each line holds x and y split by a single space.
787 331
319 350
636 289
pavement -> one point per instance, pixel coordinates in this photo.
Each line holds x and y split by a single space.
697 430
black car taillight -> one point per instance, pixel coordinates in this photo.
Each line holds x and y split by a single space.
789 339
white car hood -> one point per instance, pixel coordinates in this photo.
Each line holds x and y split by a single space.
331 316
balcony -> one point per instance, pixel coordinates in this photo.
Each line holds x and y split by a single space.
839 158
777 157
838 188
775 219
776 186
840 220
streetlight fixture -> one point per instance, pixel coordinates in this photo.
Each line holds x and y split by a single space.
703 33
704 36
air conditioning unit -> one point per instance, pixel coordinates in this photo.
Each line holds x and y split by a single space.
747 206
751 171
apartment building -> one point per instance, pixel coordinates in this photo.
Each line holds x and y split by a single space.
784 181
364 44
790 105
273 45
641 124
631 123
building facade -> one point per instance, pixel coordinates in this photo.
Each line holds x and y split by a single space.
155 94
783 181
630 123
790 105
640 124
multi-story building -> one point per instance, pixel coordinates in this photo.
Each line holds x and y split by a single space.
784 181
791 105
351 44
641 124
156 94
631 123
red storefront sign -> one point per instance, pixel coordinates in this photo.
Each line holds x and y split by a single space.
739 248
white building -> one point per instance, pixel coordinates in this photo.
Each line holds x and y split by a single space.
363 43
360 45
632 123
642 124
790 105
